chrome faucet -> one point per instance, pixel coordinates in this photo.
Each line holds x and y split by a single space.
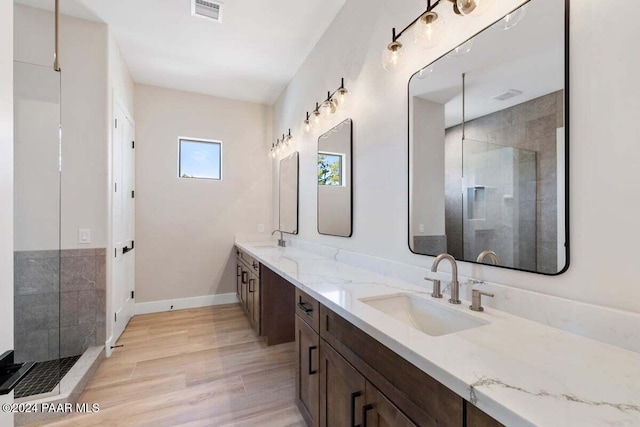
455 285
281 242
492 256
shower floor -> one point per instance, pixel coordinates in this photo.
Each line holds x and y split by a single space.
44 377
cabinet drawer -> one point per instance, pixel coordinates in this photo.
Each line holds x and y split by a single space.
308 309
424 400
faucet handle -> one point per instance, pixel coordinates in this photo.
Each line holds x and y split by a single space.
476 299
437 292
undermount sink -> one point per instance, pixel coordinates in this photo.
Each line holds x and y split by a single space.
424 315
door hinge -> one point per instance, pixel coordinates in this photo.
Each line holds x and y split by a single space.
116 123
115 254
115 317
133 144
115 187
133 194
133 294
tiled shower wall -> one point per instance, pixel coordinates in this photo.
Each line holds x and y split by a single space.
532 126
59 315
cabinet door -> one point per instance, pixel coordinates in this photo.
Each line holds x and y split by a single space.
238 280
307 377
342 390
378 411
254 302
244 285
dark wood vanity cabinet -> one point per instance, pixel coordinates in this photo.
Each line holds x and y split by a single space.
267 299
307 378
360 382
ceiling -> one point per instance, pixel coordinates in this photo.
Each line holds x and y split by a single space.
251 55
528 58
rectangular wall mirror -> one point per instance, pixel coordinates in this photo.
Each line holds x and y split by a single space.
335 191
288 187
488 145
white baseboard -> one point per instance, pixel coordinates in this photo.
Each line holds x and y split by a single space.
184 303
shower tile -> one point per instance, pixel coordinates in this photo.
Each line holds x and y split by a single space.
74 340
101 333
101 305
54 344
36 275
67 253
546 105
36 312
68 308
78 273
101 271
32 346
36 254
87 306
542 127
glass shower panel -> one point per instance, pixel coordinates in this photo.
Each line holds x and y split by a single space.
37 164
499 203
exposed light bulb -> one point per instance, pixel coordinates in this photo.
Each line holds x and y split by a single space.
429 30
512 19
290 139
341 98
461 50
327 109
392 57
316 118
425 72
472 7
306 125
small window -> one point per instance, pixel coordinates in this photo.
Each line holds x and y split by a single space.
330 169
200 159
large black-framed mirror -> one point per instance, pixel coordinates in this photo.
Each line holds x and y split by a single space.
335 186
288 193
489 145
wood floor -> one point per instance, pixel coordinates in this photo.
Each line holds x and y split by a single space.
200 367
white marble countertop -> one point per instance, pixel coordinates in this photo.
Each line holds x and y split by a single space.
518 371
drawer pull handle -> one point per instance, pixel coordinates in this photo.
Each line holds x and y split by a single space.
354 396
254 288
245 276
365 412
311 370
304 308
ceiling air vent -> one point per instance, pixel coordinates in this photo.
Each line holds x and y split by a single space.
207 9
511 93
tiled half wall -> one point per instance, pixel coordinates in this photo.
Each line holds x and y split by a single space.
60 303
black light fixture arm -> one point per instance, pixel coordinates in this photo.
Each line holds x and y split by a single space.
430 7
330 95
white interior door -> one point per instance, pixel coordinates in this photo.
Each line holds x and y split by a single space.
123 222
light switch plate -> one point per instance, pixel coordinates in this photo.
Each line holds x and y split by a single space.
84 235
260 228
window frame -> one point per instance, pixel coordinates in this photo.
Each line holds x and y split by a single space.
204 141
343 167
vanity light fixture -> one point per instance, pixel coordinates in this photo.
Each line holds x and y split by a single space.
428 29
328 107
316 116
338 100
287 140
307 125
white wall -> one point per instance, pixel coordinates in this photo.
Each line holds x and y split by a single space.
185 228
83 58
6 189
605 154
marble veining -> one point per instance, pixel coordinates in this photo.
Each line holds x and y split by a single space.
519 371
